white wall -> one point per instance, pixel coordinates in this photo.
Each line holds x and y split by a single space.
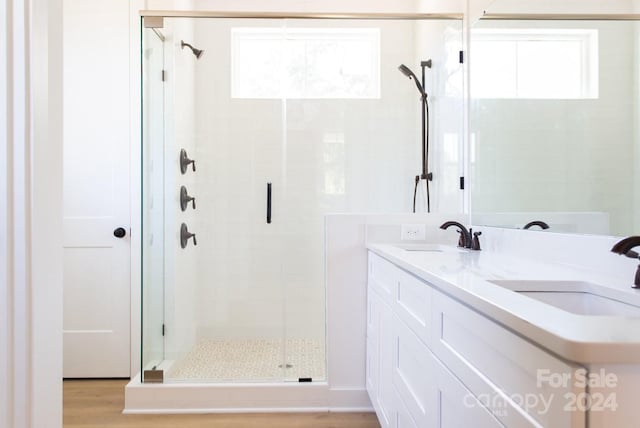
562 6
441 6
287 5
46 214
31 214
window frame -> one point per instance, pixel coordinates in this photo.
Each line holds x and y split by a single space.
282 35
589 54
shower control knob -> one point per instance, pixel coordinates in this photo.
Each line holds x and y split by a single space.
185 162
120 232
185 199
185 235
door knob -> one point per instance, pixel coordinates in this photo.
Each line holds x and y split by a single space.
120 232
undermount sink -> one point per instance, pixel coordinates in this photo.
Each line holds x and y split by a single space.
434 248
578 297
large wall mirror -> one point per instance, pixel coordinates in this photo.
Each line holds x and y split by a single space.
555 133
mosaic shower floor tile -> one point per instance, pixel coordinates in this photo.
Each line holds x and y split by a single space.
251 360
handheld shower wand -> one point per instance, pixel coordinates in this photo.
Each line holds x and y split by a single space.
426 175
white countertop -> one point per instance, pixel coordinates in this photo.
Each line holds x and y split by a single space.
464 275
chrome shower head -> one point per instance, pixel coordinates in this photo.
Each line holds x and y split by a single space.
197 52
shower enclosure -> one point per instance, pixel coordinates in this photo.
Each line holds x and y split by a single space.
246 146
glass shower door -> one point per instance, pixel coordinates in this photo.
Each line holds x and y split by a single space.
153 200
224 296
241 295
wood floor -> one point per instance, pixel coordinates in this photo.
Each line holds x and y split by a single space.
99 403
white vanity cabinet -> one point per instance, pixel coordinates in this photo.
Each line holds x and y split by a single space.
434 362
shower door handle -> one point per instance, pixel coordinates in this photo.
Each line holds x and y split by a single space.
268 203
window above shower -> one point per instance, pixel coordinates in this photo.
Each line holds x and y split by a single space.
534 63
305 63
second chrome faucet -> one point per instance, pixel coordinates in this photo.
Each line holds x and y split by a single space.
468 238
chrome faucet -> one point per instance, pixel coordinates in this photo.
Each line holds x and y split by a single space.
624 247
468 238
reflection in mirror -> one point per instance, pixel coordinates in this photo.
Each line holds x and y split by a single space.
554 129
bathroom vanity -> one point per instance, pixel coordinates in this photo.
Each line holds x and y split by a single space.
459 338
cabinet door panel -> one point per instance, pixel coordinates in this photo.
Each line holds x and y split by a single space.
457 407
413 375
379 360
383 277
386 393
403 417
413 305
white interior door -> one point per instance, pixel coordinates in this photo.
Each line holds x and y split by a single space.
96 189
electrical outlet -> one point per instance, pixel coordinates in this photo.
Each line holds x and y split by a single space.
413 232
